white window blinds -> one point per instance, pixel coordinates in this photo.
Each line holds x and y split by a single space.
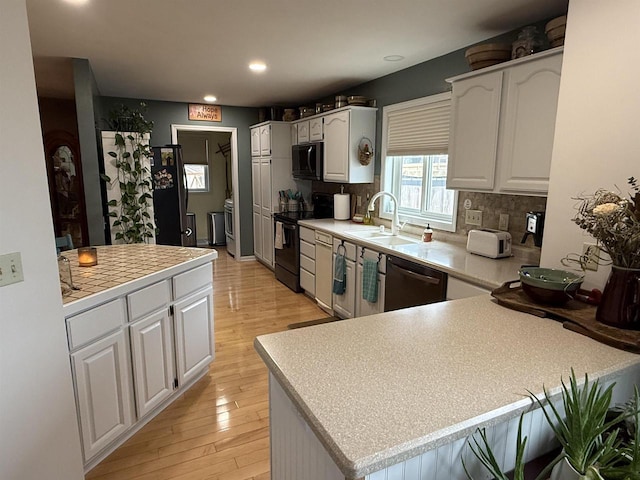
419 129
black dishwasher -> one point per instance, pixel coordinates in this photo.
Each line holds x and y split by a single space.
409 284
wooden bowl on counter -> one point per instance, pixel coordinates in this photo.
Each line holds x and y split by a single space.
482 56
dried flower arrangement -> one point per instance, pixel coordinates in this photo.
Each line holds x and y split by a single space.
614 221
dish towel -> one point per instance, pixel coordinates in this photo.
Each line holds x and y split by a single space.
339 272
370 280
279 239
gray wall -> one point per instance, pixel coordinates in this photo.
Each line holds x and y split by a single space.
163 114
421 80
88 111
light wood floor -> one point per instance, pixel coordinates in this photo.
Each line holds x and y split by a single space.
219 429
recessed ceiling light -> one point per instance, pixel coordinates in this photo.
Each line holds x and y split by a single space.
77 2
393 58
257 66
210 98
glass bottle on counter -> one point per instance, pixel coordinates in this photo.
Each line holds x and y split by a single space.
64 271
366 219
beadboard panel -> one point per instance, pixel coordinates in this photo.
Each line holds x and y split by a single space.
295 450
297 453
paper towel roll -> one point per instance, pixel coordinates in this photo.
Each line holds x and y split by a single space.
342 206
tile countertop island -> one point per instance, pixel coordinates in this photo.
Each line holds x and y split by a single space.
123 268
140 331
450 257
398 393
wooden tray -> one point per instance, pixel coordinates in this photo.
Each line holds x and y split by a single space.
576 316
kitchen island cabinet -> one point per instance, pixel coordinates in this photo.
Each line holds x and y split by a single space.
140 332
396 395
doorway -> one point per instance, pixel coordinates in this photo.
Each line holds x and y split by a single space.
217 148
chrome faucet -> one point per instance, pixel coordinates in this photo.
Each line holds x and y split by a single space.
395 222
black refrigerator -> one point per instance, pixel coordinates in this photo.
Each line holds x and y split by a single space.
171 197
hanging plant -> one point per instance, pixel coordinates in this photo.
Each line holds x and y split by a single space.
133 222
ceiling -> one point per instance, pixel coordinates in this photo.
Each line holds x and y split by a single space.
181 50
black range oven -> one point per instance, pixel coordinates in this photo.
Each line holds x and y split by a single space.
287 258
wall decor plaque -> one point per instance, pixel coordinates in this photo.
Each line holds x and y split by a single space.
207 113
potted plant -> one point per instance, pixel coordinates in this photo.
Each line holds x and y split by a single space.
588 433
130 156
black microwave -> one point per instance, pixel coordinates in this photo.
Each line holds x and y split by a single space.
306 161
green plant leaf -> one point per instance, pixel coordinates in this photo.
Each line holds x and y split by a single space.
112 203
119 140
113 154
106 178
113 214
117 223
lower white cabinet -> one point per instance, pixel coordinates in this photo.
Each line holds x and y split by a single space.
308 260
365 307
324 271
460 289
133 354
194 334
103 391
344 306
152 354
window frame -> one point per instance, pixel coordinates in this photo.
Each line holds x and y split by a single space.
387 175
206 178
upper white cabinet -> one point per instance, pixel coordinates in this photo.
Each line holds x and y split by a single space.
343 131
473 141
316 132
271 139
303 131
502 126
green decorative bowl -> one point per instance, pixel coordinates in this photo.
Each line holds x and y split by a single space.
549 285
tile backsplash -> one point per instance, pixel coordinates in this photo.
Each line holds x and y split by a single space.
491 204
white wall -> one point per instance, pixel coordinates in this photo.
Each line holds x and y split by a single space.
597 139
38 427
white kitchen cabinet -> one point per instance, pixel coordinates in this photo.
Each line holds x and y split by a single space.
308 260
255 142
270 173
126 352
193 334
324 271
473 139
294 134
528 125
502 126
152 355
102 379
316 131
265 140
303 131
457 288
364 307
344 305
343 131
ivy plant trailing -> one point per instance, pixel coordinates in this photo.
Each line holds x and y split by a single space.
133 221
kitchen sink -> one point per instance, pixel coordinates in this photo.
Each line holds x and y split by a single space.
369 234
391 240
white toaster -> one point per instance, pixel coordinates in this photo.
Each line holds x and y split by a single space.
489 243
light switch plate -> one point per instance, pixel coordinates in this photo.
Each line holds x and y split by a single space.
10 269
504 222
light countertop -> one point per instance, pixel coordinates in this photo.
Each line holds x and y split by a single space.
449 257
123 267
381 389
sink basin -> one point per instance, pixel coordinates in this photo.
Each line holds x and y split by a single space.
368 234
390 240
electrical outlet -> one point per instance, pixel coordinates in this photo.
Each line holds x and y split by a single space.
504 222
473 217
359 200
590 256
10 269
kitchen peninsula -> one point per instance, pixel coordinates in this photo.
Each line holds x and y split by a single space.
140 333
395 395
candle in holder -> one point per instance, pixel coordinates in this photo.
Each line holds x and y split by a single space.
87 256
